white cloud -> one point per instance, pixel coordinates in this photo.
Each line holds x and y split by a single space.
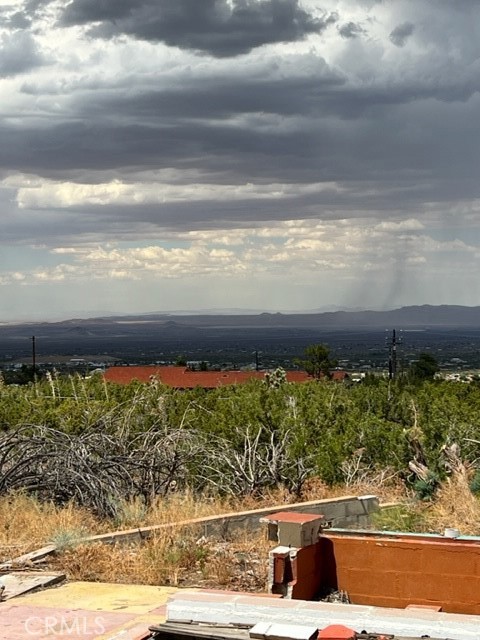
295 249
34 193
403 225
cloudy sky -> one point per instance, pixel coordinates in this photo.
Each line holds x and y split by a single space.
161 155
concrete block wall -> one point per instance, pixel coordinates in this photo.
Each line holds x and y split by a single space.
294 529
347 511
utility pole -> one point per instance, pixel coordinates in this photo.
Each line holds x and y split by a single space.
392 356
34 362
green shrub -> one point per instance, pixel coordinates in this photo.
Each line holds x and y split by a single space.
425 488
475 484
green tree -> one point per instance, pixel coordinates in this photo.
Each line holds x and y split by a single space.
424 368
317 361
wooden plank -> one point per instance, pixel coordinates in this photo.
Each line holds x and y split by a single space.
180 631
17 584
28 558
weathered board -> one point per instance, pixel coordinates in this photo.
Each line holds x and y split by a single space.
18 583
28 558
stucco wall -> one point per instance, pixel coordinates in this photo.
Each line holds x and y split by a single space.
387 570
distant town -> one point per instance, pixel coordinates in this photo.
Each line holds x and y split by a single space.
361 342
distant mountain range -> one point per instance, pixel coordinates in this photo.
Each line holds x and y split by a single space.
233 338
411 317
417 317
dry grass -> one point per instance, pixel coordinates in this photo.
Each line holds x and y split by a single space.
178 558
184 506
455 506
26 524
389 490
175 556
183 557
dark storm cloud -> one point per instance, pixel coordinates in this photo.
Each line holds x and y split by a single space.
219 99
209 26
296 128
351 30
401 33
24 18
17 20
309 149
18 53
405 136
68 149
324 94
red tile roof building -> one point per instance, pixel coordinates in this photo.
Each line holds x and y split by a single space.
184 378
